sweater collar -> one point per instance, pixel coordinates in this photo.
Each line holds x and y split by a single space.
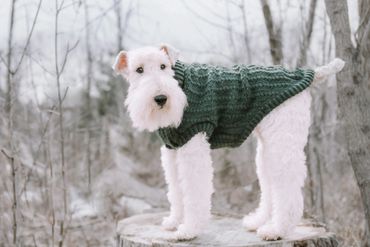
179 69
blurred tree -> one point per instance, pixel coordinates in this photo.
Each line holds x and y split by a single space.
274 33
302 59
354 91
13 67
87 109
319 112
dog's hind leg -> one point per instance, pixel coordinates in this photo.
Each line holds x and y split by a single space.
196 175
286 183
284 134
174 194
259 217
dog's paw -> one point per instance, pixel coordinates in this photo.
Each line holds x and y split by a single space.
170 223
253 221
185 232
270 232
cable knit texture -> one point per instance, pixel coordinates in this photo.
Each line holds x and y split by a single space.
228 103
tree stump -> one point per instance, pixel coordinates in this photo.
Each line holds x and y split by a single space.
145 230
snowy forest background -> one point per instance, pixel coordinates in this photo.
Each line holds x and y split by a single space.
71 164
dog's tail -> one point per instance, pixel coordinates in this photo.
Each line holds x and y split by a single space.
331 68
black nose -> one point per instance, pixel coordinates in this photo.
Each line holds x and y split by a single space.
160 99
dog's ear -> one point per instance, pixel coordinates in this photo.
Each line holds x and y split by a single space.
172 53
120 65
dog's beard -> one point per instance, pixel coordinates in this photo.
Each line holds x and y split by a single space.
147 115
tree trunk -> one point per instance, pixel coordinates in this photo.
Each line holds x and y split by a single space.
230 31
245 31
118 12
59 68
276 48
302 59
354 93
89 71
9 115
145 230
9 74
314 155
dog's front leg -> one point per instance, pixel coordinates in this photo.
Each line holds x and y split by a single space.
168 157
195 174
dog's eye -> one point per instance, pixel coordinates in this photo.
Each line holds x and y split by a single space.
140 70
163 66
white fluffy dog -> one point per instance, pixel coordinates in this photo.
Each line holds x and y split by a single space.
155 100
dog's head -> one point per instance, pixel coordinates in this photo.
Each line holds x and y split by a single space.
155 99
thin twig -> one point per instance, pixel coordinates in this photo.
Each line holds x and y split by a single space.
43 133
68 51
201 17
28 38
4 62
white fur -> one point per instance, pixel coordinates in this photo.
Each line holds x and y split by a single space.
195 175
143 111
280 159
174 194
281 169
189 173
333 67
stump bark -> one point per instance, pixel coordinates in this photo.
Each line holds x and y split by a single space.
226 231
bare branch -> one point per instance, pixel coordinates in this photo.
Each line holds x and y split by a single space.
8 156
35 158
28 37
68 51
215 13
59 7
4 62
203 18
65 94
40 64
102 15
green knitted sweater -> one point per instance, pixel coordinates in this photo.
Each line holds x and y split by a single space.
227 104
